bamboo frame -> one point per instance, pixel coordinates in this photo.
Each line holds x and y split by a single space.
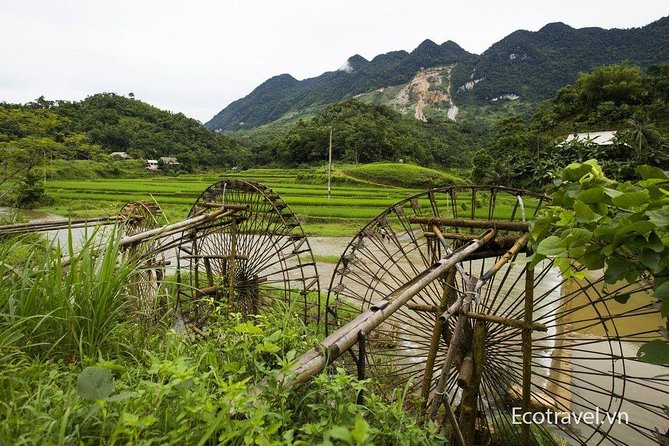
471 223
341 340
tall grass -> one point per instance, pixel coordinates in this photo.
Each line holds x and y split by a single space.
49 306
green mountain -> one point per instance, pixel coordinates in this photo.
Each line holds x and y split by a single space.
106 123
442 80
283 94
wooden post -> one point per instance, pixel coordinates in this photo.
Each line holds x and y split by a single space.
362 338
330 166
232 262
468 407
207 268
436 336
527 352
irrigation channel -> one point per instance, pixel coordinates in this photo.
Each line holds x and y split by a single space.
433 294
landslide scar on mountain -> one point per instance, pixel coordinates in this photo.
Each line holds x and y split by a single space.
424 90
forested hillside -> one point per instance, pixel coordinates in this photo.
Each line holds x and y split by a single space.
617 98
365 133
284 93
534 65
105 123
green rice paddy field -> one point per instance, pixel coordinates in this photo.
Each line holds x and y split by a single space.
349 208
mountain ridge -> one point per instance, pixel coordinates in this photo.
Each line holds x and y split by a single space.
531 65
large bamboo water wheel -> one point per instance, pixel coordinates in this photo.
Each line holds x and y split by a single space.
490 334
138 217
253 261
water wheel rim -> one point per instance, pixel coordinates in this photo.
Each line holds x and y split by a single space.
391 230
272 261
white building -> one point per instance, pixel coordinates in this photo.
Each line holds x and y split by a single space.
151 165
606 138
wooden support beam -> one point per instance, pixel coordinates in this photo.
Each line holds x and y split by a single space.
515 323
468 223
229 206
527 352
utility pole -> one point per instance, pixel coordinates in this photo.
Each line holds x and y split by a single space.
330 166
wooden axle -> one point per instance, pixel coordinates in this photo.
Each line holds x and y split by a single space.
216 257
467 223
509 322
515 323
232 206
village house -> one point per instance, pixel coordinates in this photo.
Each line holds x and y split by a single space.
151 165
606 138
121 155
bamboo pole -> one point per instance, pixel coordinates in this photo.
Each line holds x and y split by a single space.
527 351
37 226
467 223
164 231
341 340
468 407
436 334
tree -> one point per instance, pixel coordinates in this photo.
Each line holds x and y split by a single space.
30 191
621 227
482 164
617 83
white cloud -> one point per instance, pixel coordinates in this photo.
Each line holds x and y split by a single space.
196 57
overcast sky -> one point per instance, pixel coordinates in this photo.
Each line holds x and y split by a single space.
195 57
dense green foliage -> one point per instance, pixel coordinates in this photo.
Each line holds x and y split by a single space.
104 123
622 227
616 98
80 367
365 133
50 139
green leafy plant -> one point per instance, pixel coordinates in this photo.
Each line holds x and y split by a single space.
622 227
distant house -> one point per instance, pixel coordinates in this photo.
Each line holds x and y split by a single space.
606 138
151 165
169 161
121 155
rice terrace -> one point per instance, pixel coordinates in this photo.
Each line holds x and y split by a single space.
270 223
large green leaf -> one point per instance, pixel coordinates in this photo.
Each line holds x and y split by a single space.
584 214
647 172
615 270
551 246
659 217
654 352
95 383
632 200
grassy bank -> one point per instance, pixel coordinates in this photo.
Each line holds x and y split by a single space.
80 365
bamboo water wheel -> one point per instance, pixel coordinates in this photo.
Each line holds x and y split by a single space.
138 217
253 261
490 337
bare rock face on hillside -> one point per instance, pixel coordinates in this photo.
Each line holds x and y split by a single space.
427 89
